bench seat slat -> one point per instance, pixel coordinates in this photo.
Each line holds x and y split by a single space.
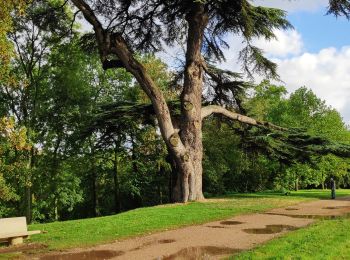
19 234
16 234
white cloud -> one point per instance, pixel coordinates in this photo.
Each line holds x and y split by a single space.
287 43
293 5
327 73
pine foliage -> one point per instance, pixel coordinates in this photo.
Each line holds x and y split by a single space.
289 146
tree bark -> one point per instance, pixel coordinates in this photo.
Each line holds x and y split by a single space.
56 216
55 167
172 176
28 201
94 189
133 152
117 205
94 181
214 109
296 184
189 182
323 180
28 186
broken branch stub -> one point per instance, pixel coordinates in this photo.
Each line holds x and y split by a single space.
186 157
188 106
174 139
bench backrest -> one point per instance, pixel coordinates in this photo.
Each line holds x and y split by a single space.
13 225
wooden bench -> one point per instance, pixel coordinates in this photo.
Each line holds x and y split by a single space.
13 230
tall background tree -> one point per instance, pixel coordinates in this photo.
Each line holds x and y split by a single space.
7 9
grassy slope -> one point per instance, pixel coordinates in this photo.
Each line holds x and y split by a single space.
141 221
328 239
86 232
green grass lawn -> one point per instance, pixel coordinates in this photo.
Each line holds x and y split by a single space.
92 231
327 239
87 232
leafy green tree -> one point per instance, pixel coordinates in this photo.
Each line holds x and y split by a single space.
303 110
133 136
33 36
202 25
13 148
62 108
267 102
7 8
331 166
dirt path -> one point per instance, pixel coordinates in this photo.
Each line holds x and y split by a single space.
216 239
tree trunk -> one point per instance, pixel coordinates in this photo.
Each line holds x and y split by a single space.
160 194
56 209
28 201
133 152
117 205
172 176
94 190
297 184
55 169
188 185
322 181
28 187
94 182
189 182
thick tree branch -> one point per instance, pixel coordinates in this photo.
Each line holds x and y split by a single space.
103 39
193 74
89 16
115 44
213 109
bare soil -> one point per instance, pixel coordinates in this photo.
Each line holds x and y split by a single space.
212 240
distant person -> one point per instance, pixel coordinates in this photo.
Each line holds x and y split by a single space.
333 188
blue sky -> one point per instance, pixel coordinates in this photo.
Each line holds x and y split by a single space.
319 30
316 54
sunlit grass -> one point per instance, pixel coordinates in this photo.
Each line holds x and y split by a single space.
327 239
87 232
